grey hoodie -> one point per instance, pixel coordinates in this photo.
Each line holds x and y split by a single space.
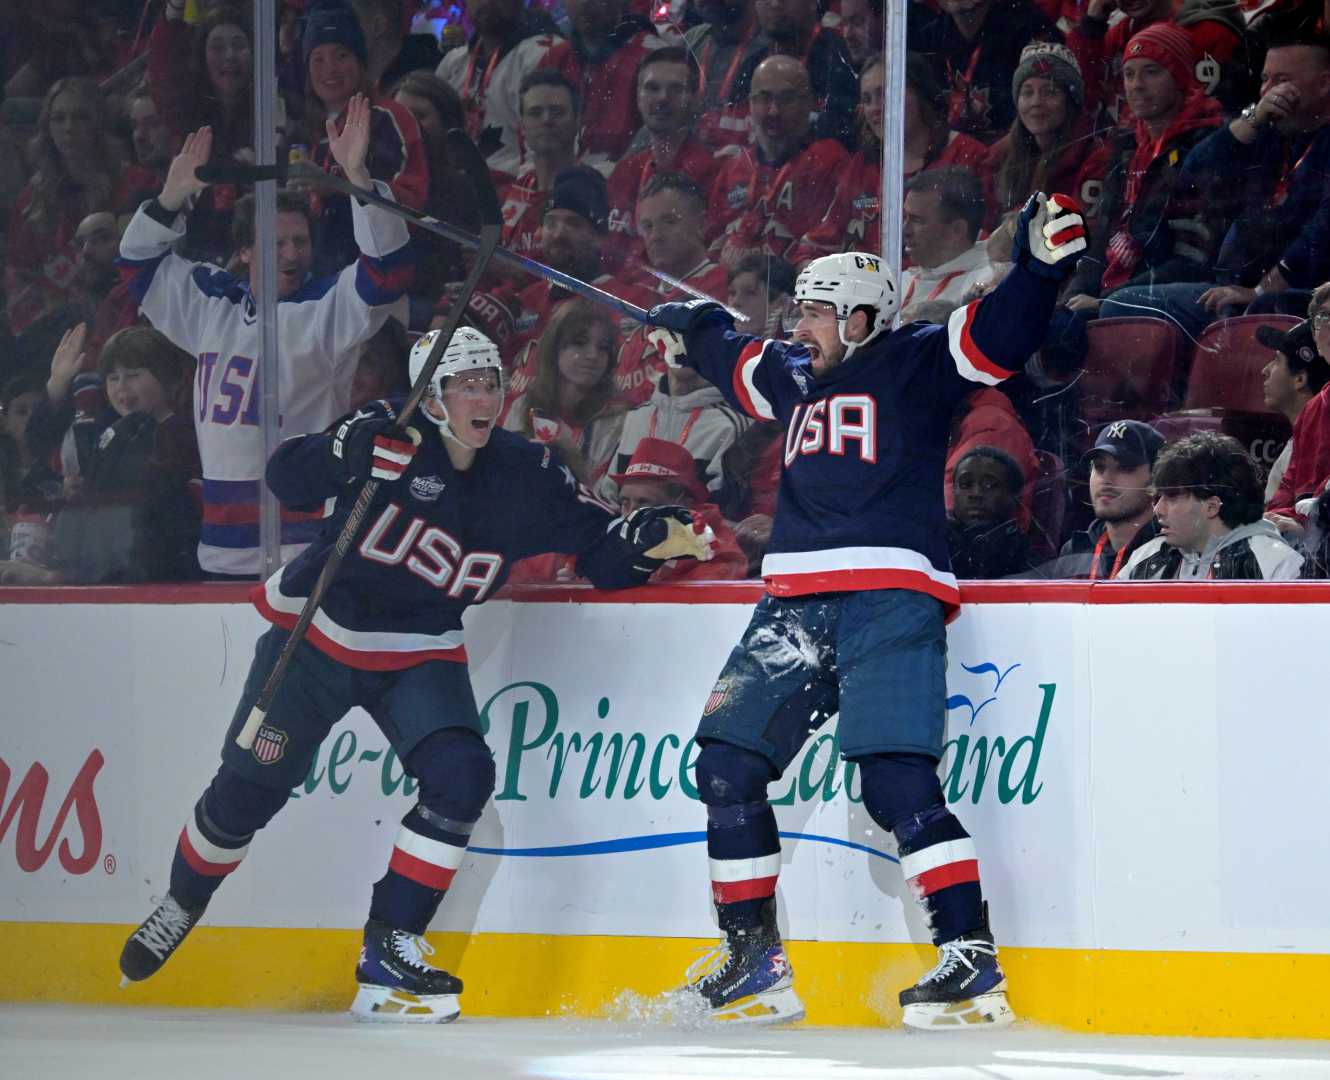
1254 552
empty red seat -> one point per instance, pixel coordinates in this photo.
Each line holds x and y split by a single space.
1134 368
1227 363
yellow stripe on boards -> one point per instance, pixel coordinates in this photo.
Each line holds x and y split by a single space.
1249 995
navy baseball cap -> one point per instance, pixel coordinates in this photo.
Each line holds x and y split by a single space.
1298 346
1132 442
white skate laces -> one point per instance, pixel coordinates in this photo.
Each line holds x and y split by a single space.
164 929
712 962
412 950
953 955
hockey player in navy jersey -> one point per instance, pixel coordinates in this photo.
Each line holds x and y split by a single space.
461 506
858 591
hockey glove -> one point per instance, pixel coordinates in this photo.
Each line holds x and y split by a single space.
657 533
373 448
684 316
1050 235
670 345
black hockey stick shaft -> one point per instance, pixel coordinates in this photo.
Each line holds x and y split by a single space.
312 174
477 172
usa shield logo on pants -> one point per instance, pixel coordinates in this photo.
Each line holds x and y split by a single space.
269 744
719 693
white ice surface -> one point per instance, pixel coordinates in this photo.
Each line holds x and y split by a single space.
61 1043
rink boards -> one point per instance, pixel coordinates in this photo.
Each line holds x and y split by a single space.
1144 781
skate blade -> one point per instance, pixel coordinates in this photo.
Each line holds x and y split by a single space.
781 1006
985 1011
384 1005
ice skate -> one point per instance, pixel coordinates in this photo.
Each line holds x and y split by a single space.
965 989
746 979
152 944
397 986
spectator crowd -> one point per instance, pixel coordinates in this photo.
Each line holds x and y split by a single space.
1174 425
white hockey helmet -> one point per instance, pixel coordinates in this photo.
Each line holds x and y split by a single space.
469 350
855 279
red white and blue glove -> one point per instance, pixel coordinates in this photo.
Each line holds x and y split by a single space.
376 449
1050 236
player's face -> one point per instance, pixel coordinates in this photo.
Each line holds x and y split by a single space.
335 73
230 61
817 331
1150 90
664 98
1118 493
586 355
473 401
672 227
1184 519
980 495
549 124
1042 106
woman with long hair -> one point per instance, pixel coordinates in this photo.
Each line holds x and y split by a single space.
1051 146
437 109
77 169
569 401
336 61
204 75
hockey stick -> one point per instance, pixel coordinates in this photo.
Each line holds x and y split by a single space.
303 170
473 165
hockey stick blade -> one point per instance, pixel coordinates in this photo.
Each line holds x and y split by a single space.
463 152
312 174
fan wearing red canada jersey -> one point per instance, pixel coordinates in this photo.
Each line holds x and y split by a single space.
455 507
859 587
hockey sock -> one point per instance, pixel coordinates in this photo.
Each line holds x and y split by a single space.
743 848
428 850
902 793
216 835
942 871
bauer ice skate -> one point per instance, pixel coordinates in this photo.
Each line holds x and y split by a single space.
152 944
965 989
397 986
746 979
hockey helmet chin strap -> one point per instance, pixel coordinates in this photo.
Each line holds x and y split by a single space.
443 423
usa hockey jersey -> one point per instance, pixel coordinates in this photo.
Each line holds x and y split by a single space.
212 314
860 499
432 544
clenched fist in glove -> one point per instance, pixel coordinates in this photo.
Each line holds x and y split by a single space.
658 533
1050 236
684 315
373 448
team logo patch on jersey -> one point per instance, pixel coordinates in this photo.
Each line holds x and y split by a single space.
525 322
269 744
719 693
736 196
864 202
427 488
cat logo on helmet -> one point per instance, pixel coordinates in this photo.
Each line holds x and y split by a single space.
469 350
852 280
